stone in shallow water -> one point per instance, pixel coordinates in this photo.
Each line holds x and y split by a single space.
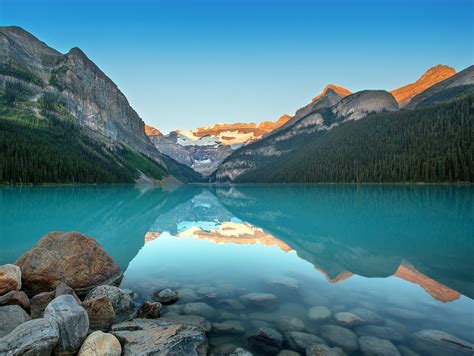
160 337
72 258
432 341
240 352
187 295
99 343
348 320
266 340
382 332
205 290
228 327
100 312
287 323
339 336
36 337
405 351
404 313
124 307
10 278
283 282
231 304
39 302
299 341
259 299
15 297
323 350
319 313
10 317
72 321
374 346
192 320
288 353
199 308
149 310
166 296
369 316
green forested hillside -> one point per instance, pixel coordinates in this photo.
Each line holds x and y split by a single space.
40 143
424 145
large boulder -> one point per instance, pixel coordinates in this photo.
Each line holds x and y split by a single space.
72 258
160 337
437 342
15 297
149 310
10 278
299 341
100 343
199 308
191 320
100 312
122 302
36 337
319 313
259 299
374 346
10 317
265 340
339 336
72 321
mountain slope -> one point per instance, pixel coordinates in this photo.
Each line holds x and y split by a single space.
32 73
431 77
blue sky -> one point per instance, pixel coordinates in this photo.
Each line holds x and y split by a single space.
185 64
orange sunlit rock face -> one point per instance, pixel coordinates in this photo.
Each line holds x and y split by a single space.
151 131
339 278
432 76
336 88
435 289
151 235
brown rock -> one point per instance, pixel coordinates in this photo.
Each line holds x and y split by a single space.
72 258
63 288
39 303
101 313
10 278
15 297
149 310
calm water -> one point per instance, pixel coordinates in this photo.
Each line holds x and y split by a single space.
404 253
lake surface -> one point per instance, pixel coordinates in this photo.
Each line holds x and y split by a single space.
401 257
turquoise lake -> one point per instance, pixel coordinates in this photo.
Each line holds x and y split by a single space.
401 255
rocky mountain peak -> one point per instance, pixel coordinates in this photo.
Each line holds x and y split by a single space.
151 131
342 92
431 77
362 103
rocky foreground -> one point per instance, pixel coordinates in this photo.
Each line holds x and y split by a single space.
61 298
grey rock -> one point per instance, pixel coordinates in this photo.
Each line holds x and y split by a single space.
62 288
266 340
187 295
404 313
72 321
160 337
240 352
283 282
231 304
36 337
199 308
39 302
259 299
100 343
339 336
288 353
374 346
434 342
299 341
100 312
10 278
15 297
405 351
192 320
10 317
204 290
149 310
348 320
369 316
124 307
288 323
381 332
319 313
362 103
323 350
166 296
228 327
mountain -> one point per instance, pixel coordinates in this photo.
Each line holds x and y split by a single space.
455 87
63 106
203 149
431 77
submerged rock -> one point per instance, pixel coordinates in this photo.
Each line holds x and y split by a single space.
381 332
100 312
299 341
374 346
240 352
160 337
100 343
187 295
39 302
192 320
199 308
339 336
228 327
124 307
283 282
348 320
369 316
10 278
166 296
323 350
72 258
437 341
15 297
288 323
36 337
231 304
259 299
266 340
149 310
319 313
288 353
72 321
10 317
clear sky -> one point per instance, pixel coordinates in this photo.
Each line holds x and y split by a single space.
186 64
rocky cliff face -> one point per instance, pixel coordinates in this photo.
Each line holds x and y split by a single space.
431 77
203 149
362 103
